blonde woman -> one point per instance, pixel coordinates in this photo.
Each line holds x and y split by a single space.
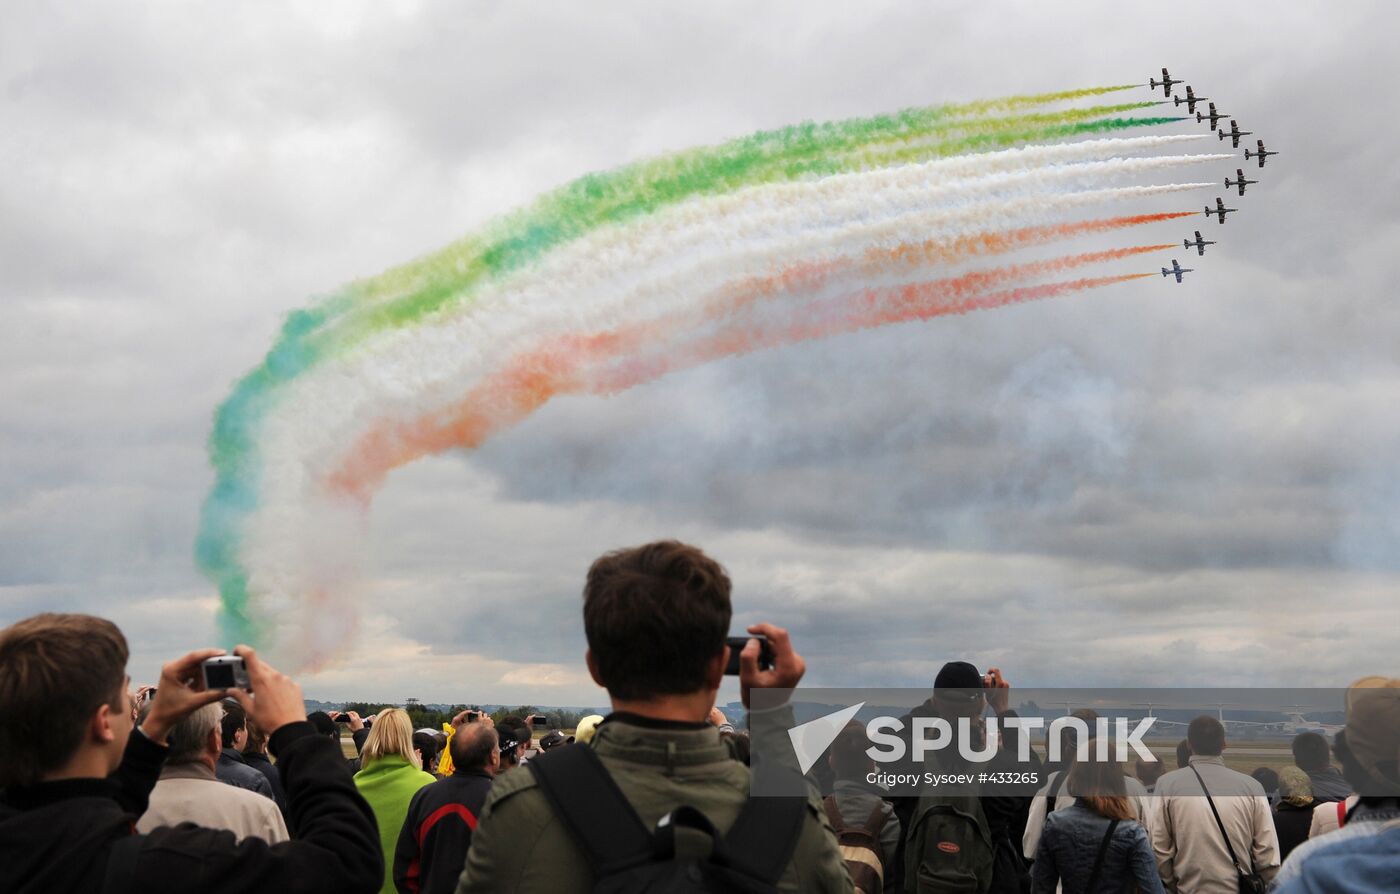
390 775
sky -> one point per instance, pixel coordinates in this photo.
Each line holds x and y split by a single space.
1143 485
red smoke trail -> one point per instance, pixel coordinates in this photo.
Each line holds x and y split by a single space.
632 354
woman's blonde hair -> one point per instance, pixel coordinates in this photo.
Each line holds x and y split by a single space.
1099 785
391 733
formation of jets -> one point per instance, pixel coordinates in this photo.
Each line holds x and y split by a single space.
1234 133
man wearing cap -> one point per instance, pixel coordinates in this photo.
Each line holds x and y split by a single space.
955 840
1364 855
553 739
441 817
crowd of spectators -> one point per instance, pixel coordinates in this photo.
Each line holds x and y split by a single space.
181 788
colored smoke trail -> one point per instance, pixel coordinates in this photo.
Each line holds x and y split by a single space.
770 223
641 353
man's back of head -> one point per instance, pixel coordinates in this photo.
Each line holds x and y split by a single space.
1206 736
234 725
57 674
655 617
849 758
192 740
1311 752
474 748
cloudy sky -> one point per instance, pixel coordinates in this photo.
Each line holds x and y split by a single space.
1145 485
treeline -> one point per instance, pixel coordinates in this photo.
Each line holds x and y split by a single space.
433 719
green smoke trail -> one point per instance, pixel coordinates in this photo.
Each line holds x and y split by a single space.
413 291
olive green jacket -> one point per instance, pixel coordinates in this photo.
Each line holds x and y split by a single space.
520 845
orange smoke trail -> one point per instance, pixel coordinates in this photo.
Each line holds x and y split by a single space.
813 275
630 355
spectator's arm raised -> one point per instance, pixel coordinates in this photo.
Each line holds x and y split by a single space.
788 666
177 696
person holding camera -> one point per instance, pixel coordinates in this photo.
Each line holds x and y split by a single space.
77 772
655 618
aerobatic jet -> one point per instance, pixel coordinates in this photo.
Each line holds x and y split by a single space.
1166 82
1214 116
1241 183
1190 99
1199 244
1234 133
1219 209
1176 270
1261 154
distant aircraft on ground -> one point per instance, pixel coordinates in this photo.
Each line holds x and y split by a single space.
1214 116
1219 209
1261 154
1295 724
1191 99
1200 244
1176 270
1241 183
1234 133
1166 82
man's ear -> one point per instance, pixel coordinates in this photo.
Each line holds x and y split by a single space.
215 742
714 671
101 725
593 668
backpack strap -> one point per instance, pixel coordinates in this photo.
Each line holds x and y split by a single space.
121 865
596 811
763 838
1098 858
1341 813
833 814
876 823
1223 834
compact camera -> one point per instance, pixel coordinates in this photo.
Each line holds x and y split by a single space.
225 672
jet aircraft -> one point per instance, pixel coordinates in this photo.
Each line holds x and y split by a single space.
1241 183
1176 270
1215 116
1261 154
1219 209
1234 133
1190 99
1198 244
1166 82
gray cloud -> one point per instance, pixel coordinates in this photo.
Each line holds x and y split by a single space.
1139 468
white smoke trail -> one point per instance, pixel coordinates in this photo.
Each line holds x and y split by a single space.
679 228
297 536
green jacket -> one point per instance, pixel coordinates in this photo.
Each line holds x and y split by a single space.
388 784
521 846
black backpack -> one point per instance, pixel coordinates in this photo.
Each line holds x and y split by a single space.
628 857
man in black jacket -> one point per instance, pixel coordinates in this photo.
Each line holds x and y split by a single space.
76 775
433 846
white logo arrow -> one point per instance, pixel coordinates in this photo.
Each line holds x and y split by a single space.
810 740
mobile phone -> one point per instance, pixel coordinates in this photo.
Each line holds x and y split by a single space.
471 716
225 672
539 722
736 645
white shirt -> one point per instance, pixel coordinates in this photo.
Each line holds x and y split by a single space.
191 793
